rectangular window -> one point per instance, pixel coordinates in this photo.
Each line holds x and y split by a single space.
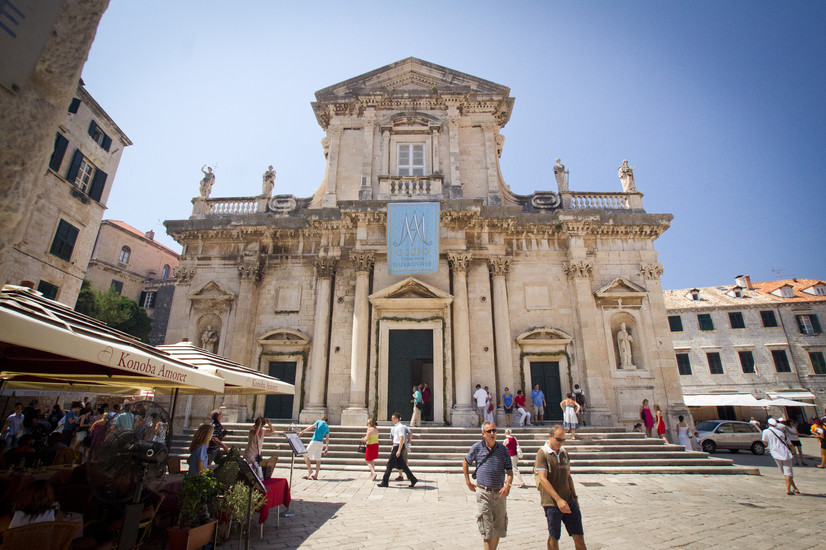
715 366
746 361
781 360
99 136
74 105
808 324
736 319
818 362
63 243
117 285
705 321
48 290
147 299
410 160
84 175
684 364
769 320
675 322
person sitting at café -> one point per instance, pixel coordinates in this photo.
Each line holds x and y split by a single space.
24 454
35 504
53 445
198 460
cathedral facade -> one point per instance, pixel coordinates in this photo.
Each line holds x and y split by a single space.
555 288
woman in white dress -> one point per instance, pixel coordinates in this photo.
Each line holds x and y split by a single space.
570 410
683 435
488 407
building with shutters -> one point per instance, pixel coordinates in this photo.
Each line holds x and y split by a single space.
763 340
61 224
138 267
523 289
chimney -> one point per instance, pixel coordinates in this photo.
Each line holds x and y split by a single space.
150 235
744 281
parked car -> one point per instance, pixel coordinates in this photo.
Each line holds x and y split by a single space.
729 434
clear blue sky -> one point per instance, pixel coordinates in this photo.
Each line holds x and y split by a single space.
719 105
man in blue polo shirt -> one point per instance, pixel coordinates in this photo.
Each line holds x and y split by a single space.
493 465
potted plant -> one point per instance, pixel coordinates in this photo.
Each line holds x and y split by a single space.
238 504
195 527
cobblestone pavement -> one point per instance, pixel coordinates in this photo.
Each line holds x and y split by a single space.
347 510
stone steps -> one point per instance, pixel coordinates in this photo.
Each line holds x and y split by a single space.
441 449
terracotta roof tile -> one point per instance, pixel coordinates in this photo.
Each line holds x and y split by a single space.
138 233
714 297
798 286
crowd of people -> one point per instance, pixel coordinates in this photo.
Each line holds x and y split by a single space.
32 436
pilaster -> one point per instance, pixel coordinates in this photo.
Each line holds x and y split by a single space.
499 267
463 412
330 198
316 408
356 413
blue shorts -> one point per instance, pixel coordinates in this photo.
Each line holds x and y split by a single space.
508 410
572 521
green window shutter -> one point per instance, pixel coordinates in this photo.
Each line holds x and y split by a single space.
815 324
98 183
60 144
71 175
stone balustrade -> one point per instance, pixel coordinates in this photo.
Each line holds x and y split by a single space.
601 201
404 187
232 205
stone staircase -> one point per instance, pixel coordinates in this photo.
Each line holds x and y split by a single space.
596 450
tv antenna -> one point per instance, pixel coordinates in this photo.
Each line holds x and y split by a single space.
778 273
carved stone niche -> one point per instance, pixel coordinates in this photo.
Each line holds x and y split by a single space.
620 294
210 300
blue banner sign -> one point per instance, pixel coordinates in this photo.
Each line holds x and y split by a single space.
412 238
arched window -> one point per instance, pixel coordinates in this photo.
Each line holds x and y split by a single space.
165 272
125 252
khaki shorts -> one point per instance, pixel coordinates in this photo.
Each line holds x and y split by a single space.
492 518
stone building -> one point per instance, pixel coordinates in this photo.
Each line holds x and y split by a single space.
50 41
756 339
62 221
139 267
527 289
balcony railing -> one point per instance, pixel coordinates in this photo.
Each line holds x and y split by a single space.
405 187
601 201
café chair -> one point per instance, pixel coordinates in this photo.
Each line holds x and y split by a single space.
56 535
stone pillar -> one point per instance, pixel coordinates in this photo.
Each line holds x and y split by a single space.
463 412
434 132
356 412
580 272
498 267
453 136
365 193
490 129
316 408
329 199
385 153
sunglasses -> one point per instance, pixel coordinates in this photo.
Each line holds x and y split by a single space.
490 431
560 439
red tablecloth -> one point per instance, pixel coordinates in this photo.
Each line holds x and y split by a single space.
278 492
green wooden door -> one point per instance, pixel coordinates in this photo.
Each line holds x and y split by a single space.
546 374
280 406
409 351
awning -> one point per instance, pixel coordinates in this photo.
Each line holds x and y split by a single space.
791 395
40 338
238 379
781 402
721 400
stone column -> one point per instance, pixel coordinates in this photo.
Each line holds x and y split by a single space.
580 271
490 129
499 267
356 413
329 199
365 192
463 412
453 136
316 408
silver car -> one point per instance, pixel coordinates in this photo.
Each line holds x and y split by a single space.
729 434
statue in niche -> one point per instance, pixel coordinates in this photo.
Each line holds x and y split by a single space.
624 341
268 181
626 176
209 337
561 176
207 182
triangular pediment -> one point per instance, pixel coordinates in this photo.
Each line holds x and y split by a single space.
620 287
411 75
212 290
410 288
544 334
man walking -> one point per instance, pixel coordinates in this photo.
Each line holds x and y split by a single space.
556 490
321 438
539 404
493 465
778 443
481 399
396 460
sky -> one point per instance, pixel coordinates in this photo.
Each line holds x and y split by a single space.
719 105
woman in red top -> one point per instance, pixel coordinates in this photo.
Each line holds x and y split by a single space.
519 403
660 422
513 450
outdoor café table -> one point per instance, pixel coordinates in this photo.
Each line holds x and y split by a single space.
278 493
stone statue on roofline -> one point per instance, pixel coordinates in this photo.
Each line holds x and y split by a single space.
626 176
207 182
268 182
561 176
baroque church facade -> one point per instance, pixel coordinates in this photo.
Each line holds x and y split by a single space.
554 288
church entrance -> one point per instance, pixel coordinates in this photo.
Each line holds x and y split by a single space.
409 362
280 406
546 374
